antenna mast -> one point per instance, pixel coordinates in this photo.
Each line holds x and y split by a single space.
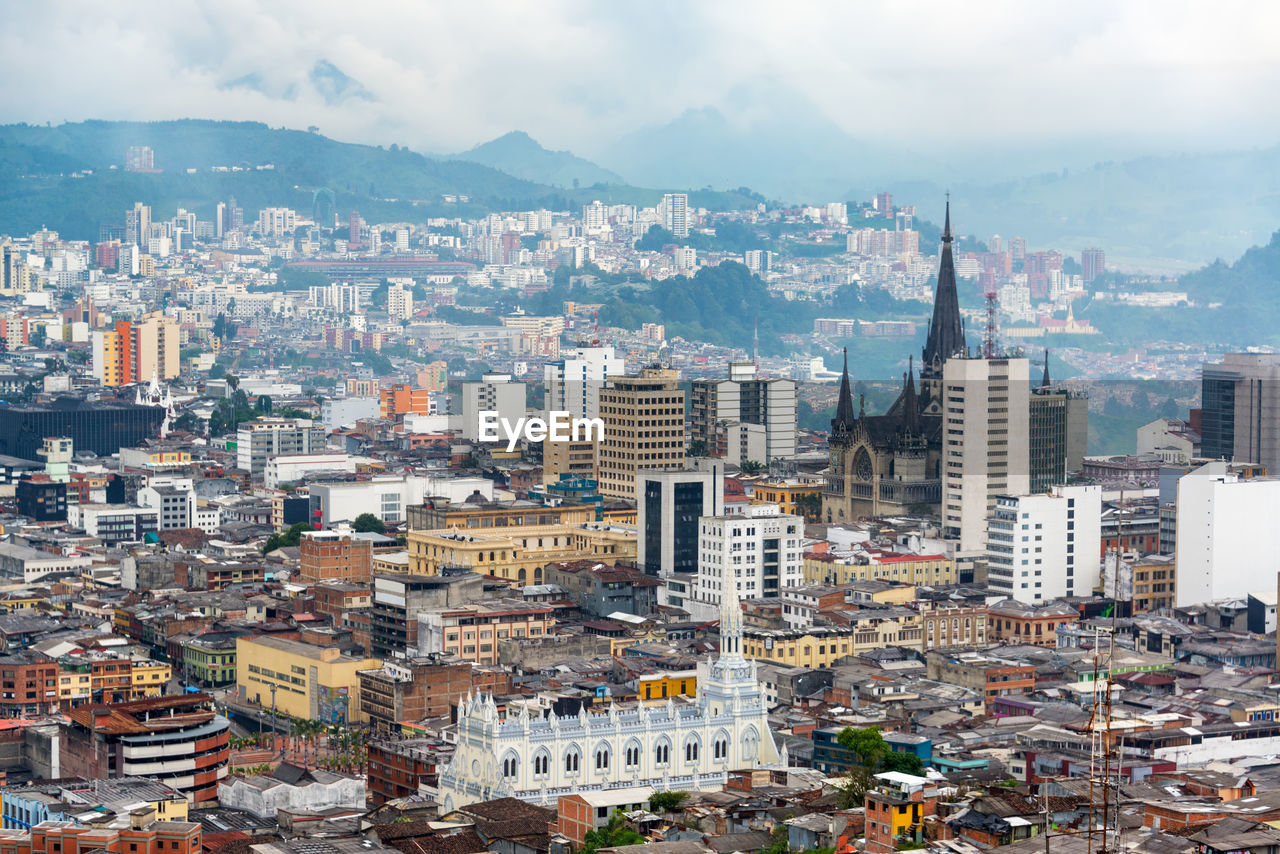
989 337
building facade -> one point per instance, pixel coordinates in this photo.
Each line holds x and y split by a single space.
643 429
668 747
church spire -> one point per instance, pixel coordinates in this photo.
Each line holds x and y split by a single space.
946 331
844 406
910 404
1044 382
730 617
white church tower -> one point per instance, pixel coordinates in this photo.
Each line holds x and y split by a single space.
671 747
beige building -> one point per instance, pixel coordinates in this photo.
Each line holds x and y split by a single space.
472 632
518 554
643 429
572 458
920 570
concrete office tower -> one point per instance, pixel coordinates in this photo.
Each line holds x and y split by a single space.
1240 409
985 444
643 428
718 406
668 506
137 350
137 224
1228 542
1041 547
749 555
258 441
674 210
493 393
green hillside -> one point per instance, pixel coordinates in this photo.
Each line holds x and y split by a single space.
384 184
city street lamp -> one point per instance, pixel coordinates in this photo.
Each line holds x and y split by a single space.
274 738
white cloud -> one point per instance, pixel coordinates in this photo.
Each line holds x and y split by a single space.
443 76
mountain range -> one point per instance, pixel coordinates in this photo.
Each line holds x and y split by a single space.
1169 211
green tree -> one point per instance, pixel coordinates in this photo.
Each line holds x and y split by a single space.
367 523
810 506
666 801
778 843
263 404
752 467
612 834
286 539
903 763
867 746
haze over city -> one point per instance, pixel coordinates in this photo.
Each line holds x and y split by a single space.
581 428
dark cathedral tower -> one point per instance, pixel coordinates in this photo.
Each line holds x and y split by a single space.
946 330
892 463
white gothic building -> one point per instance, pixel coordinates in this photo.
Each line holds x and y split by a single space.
669 747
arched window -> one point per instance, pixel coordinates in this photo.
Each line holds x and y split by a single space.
572 761
521 576
631 756
662 752
691 750
541 763
510 765
720 747
602 757
750 741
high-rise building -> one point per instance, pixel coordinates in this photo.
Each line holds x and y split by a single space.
1058 420
400 301
1018 248
220 220
355 225
643 428
884 204
757 553
573 384
668 506
1042 547
674 211
985 443
139 158
137 224
493 393
258 441
744 398
1093 263
1227 534
276 222
235 215
1240 409
137 350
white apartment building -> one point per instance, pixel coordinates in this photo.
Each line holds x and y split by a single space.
1228 542
400 302
758 552
1042 547
340 297
276 222
674 212
493 393
573 384
985 449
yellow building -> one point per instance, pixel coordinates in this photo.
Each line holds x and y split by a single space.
786 494
907 568
821 646
149 678
74 686
312 682
660 686
518 554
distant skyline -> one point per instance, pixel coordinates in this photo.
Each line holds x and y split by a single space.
1085 80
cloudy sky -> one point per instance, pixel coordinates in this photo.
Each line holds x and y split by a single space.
579 75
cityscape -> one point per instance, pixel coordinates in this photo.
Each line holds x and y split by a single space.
692 483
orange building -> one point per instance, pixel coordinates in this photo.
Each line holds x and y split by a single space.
1019 622
145 837
402 399
896 809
